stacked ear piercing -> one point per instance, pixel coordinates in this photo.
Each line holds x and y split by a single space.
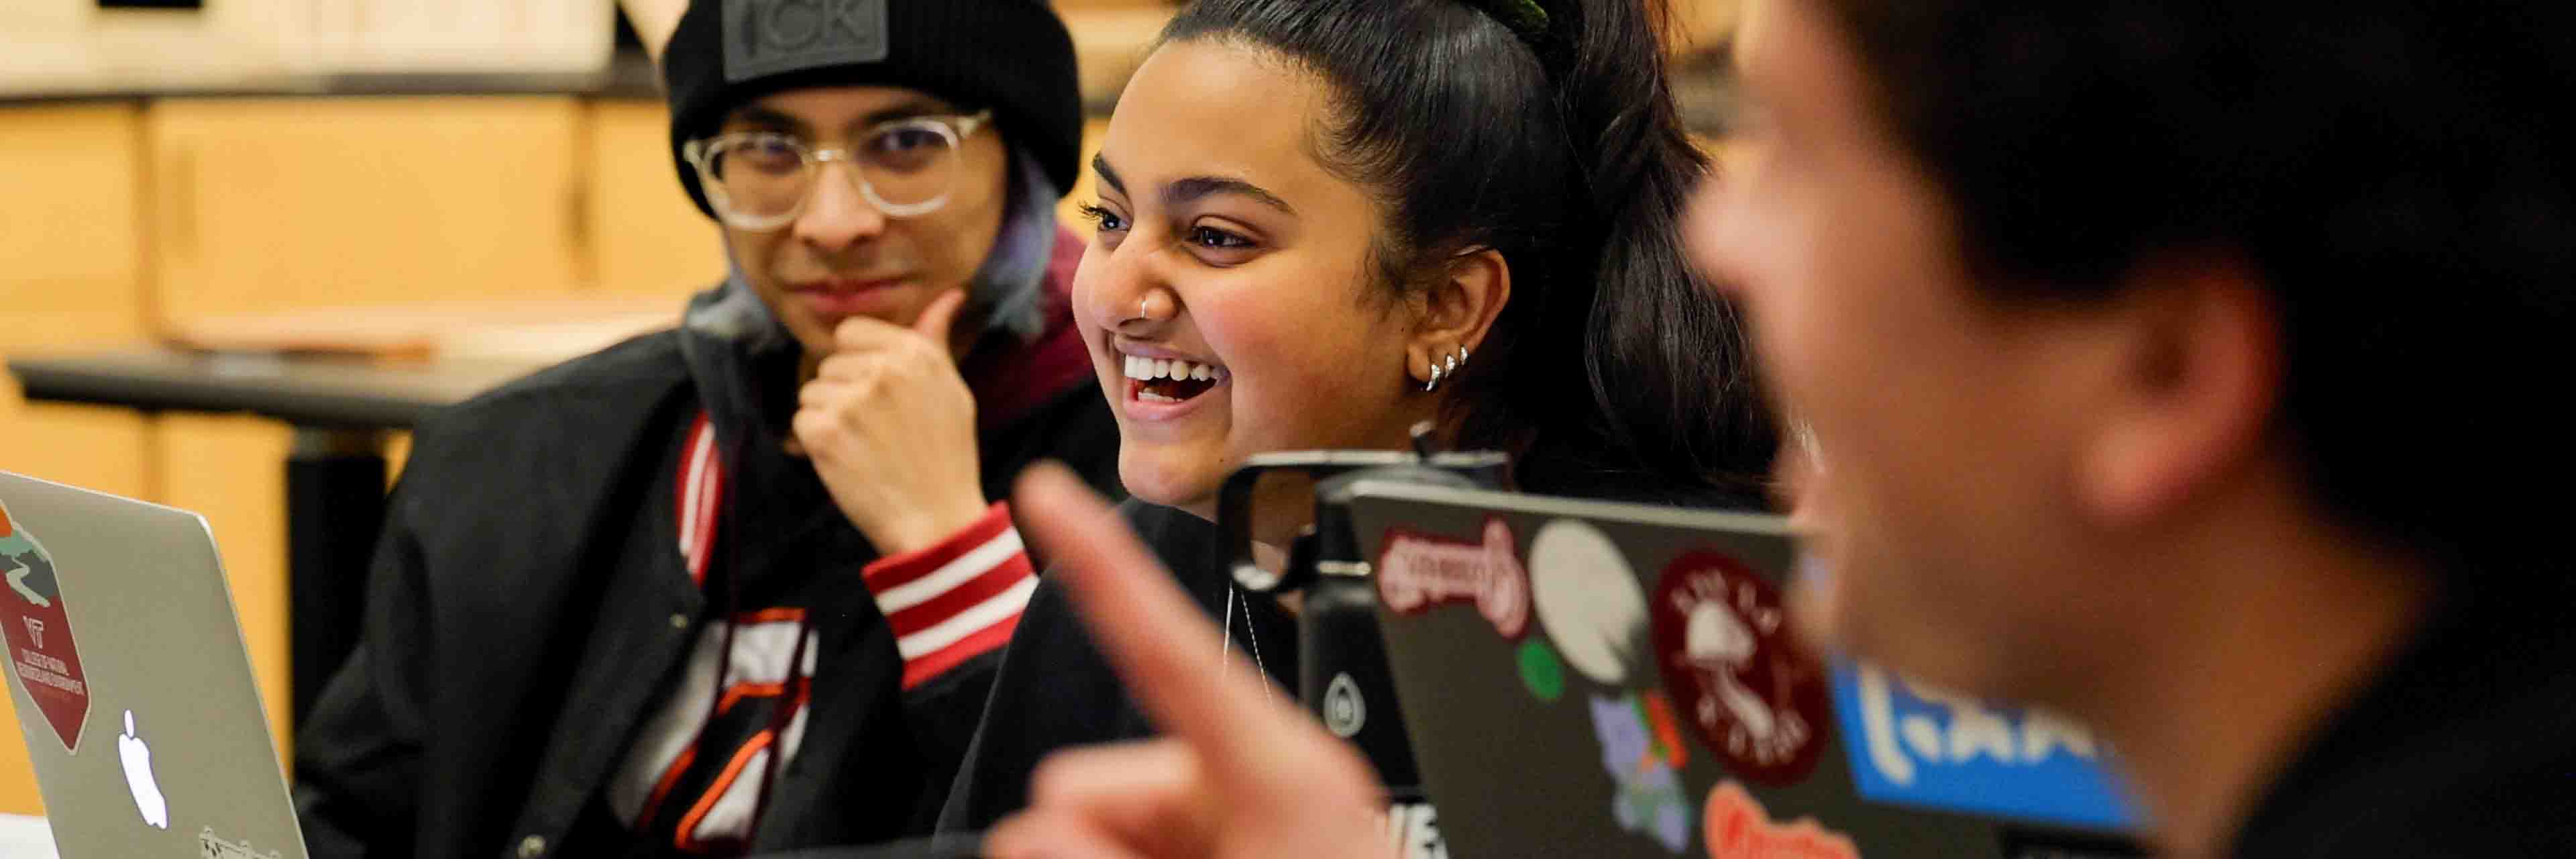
1445 367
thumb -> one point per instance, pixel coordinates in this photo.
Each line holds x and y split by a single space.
936 319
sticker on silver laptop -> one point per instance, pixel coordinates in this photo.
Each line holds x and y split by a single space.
1644 756
38 627
1418 571
212 846
1738 827
1588 600
1745 686
1541 673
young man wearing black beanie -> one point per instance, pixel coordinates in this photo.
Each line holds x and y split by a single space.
739 586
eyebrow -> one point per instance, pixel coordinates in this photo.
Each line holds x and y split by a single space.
1195 187
1100 165
761 117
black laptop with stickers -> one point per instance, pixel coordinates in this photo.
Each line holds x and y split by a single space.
1583 678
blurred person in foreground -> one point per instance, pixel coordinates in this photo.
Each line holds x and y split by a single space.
2167 390
742 585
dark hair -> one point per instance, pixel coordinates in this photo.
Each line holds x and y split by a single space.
1559 148
2397 172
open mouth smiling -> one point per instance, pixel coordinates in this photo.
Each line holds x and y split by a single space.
1169 381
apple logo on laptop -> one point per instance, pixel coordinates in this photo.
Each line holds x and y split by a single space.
138 776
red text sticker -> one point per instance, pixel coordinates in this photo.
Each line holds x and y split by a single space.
39 631
1739 828
1417 571
1744 686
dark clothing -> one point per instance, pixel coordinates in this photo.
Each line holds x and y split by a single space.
2465 745
528 613
1055 690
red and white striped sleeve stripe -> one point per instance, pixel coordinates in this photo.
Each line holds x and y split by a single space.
701 492
956 600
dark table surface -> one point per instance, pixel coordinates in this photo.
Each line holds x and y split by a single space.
308 391
335 479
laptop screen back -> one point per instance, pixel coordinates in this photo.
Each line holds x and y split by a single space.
132 688
1584 678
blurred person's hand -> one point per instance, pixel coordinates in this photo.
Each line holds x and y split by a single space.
1243 773
890 426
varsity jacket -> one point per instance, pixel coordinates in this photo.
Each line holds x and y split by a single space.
588 577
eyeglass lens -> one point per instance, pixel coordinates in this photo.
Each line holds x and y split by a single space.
767 176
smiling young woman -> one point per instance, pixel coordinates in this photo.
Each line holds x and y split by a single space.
1320 223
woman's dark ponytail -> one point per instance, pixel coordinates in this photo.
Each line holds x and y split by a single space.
1557 144
1666 358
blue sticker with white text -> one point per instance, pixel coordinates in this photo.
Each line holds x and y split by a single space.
1923 747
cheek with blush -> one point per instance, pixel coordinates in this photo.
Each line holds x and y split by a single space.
1332 383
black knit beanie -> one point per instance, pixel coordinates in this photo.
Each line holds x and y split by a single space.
1013 56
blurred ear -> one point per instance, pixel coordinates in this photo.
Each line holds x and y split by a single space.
655 21
1458 310
2199 381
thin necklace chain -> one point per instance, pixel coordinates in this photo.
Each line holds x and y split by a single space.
1249 631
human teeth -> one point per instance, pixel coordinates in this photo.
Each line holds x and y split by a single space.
1149 369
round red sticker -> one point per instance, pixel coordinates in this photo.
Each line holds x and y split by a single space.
1744 686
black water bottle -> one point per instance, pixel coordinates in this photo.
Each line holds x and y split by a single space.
1343 676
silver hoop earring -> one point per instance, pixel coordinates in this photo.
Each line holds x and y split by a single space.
1445 367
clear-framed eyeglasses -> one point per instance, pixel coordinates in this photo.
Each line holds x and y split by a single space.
761 180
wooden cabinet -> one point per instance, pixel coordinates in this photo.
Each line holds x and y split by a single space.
71 237
276 203
645 235
232 470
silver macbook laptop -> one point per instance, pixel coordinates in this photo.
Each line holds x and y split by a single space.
1582 678
131 683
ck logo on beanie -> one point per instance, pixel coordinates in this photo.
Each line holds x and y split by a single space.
766 37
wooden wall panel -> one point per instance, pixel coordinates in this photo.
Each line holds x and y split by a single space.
233 471
71 237
647 237
279 203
